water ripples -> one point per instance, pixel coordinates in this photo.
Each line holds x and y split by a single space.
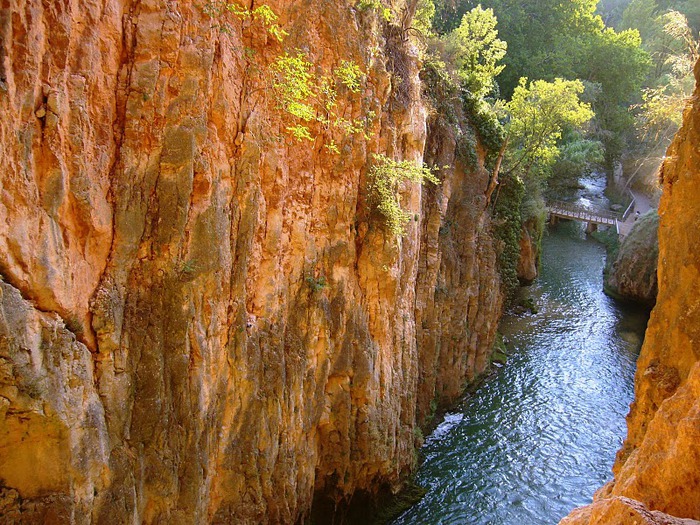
540 438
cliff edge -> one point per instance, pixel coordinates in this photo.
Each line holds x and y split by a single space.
203 317
657 479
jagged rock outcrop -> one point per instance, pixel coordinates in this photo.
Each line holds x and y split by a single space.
622 511
658 464
632 276
529 258
203 319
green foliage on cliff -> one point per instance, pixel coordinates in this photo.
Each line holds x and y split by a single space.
385 176
314 101
309 97
262 16
508 223
485 120
460 68
376 5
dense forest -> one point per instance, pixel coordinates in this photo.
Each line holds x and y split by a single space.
558 89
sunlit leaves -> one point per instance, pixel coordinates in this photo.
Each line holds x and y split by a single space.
539 112
476 50
262 15
385 176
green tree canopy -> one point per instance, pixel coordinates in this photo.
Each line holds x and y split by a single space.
539 112
550 39
475 49
660 113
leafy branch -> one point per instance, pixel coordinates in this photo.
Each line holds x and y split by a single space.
385 176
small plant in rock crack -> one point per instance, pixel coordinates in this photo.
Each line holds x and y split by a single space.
262 15
385 176
305 93
75 325
316 283
189 267
312 98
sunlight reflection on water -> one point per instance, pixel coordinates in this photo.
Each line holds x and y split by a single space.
539 438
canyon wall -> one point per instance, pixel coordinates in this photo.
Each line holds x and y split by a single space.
203 319
529 259
657 480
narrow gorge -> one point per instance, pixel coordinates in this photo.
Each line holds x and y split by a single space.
250 251
657 480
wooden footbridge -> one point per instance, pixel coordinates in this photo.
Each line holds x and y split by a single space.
568 210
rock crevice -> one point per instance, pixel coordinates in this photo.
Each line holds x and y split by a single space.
252 336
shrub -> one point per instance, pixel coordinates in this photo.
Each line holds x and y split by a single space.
262 15
385 175
365 5
316 283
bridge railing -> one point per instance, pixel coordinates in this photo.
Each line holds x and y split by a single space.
630 208
577 209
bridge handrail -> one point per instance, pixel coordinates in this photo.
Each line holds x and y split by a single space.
630 208
575 208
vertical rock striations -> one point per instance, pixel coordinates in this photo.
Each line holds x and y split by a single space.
202 319
528 262
658 463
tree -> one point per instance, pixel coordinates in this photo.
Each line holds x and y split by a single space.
544 37
660 113
619 65
550 39
539 112
476 50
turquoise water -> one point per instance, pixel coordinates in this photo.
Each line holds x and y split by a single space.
540 437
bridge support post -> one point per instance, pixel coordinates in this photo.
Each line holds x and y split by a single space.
553 219
591 227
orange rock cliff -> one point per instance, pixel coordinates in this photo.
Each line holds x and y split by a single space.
657 471
202 319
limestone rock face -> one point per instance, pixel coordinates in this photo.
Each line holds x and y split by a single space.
54 448
622 511
529 252
632 275
249 336
658 463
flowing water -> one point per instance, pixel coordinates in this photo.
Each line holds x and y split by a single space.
540 437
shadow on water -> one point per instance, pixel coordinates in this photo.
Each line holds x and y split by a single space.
540 437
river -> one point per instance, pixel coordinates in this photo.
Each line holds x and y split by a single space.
538 438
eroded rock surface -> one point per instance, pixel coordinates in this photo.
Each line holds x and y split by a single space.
249 336
622 511
529 259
